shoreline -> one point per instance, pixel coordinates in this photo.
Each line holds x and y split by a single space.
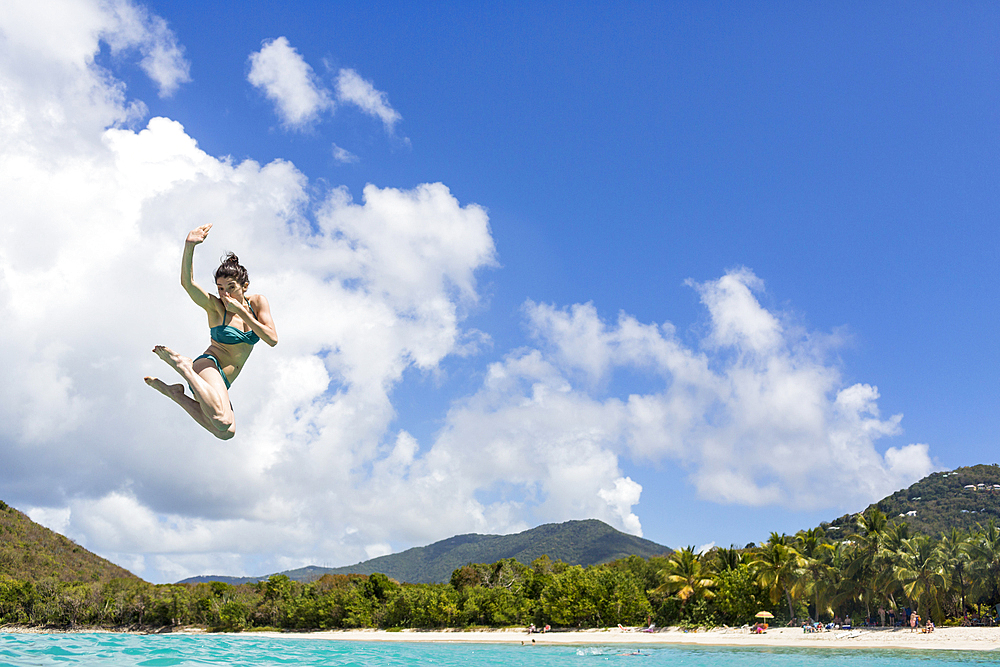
942 639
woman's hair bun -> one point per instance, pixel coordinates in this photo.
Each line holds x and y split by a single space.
231 268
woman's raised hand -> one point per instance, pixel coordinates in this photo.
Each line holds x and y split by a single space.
232 305
196 236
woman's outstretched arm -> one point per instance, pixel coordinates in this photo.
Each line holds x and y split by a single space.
195 291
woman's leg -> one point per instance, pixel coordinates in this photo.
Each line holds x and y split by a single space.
210 406
175 392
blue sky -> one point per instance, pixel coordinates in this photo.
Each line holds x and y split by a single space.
741 217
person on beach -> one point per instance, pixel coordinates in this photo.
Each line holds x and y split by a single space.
236 321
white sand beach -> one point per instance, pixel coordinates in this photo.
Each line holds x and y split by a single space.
954 639
964 639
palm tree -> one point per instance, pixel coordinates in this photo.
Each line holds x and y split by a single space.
867 567
887 561
686 577
779 568
953 554
815 553
726 559
840 587
985 553
921 574
894 535
872 522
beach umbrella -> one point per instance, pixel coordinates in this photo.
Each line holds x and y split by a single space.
764 614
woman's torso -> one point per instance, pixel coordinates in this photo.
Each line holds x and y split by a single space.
232 340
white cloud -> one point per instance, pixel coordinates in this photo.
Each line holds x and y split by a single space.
54 519
343 156
63 31
362 292
300 97
353 89
288 81
705 548
738 320
621 498
758 416
908 462
752 410
162 57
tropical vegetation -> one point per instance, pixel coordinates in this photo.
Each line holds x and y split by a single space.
879 571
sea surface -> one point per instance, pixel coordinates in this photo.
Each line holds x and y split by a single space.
169 650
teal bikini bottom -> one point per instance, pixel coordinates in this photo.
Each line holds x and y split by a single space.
217 365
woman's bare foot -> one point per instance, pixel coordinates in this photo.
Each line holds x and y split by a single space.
174 391
177 361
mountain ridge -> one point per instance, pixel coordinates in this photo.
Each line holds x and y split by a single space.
938 502
582 542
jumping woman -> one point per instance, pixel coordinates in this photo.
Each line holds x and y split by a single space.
236 321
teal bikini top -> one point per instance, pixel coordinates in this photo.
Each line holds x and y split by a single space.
230 335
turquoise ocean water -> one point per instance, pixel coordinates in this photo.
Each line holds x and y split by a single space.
169 650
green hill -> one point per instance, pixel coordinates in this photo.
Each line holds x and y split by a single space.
588 542
30 552
939 502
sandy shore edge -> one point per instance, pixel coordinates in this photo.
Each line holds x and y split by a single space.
942 639
953 639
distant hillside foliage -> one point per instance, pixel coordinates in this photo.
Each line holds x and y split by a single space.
940 502
30 552
586 543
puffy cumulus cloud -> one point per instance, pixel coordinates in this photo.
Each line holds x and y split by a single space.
62 32
47 67
738 321
622 498
754 409
352 88
162 57
524 445
95 214
289 82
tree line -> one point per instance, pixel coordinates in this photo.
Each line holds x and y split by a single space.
810 575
